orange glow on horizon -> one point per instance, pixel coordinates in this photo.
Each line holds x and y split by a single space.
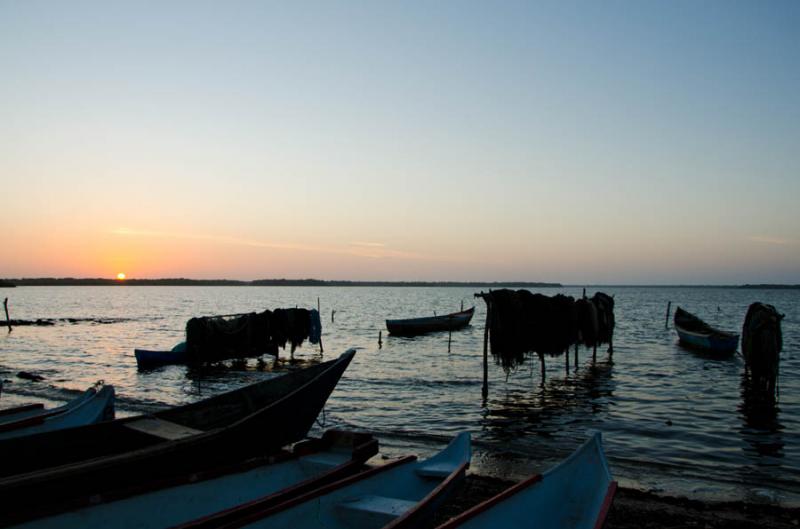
121 276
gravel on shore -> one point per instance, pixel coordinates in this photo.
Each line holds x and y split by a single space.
633 509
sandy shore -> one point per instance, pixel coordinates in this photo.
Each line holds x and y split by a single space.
641 510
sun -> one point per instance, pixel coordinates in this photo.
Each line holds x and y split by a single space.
121 276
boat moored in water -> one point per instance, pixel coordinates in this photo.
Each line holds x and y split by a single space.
695 333
417 326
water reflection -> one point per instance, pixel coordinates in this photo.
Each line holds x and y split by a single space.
761 428
559 403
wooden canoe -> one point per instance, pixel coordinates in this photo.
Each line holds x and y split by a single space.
575 494
150 359
92 406
416 326
697 334
399 494
66 467
251 484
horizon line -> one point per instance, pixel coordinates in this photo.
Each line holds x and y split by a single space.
182 281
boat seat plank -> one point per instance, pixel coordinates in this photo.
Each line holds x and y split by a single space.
434 470
368 509
167 430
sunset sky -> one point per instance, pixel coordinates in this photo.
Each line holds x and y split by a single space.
580 142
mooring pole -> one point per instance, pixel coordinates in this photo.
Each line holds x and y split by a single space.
8 320
380 339
576 355
666 320
319 311
449 332
333 313
486 350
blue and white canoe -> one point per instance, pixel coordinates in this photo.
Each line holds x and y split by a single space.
575 494
399 494
697 334
254 484
94 405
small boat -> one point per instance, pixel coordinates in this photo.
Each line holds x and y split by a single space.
94 405
695 333
398 494
251 484
150 359
65 467
416 326
575 494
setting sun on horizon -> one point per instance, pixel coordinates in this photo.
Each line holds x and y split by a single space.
121 276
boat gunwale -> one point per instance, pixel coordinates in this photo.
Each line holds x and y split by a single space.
297 500
716 332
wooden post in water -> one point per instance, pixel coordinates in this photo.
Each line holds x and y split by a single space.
380 339
333 313
8 320
486 351
449 336
576 356
319 311
666 320
566 360
544 374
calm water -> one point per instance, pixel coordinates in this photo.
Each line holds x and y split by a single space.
673 421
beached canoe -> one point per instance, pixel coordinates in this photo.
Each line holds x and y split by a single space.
575 494
94 405
66 467
398 494
695 333
253 484
445 322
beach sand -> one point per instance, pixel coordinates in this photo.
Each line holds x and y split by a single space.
634 509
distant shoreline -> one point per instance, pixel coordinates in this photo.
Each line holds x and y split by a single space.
72 281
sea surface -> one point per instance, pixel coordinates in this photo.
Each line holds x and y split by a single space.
673 421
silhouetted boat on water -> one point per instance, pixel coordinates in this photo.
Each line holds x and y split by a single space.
416 326
697 334
73 465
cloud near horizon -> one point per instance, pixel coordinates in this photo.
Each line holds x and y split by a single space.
773 240
370 250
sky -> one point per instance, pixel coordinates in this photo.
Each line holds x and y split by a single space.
607 142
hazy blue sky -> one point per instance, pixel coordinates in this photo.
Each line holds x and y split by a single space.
581 142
